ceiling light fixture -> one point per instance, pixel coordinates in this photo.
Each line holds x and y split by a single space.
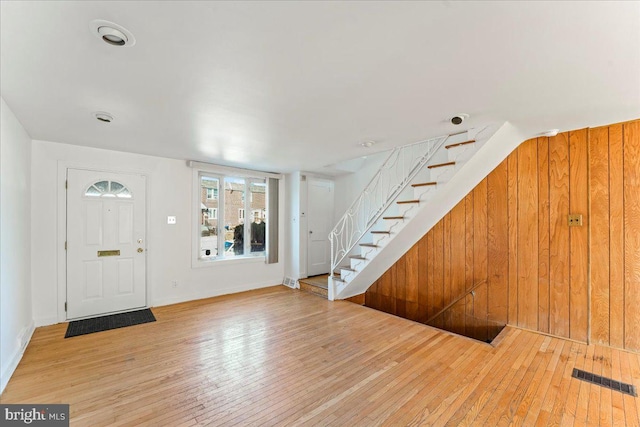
459 118
111 33
112 36
367 144
550 132
103 116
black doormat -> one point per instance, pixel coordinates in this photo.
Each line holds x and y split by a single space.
112 321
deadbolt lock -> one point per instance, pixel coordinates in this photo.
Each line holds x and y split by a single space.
140 250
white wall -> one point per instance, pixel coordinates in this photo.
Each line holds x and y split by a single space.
16 320
349 186
292 221
169 252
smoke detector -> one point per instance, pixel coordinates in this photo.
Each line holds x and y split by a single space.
111 33
103 116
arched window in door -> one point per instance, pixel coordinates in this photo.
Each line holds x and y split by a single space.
108 189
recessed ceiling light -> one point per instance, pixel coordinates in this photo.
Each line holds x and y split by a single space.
367 144
112 36
103 116
112 33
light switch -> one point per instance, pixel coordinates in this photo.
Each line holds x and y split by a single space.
171 220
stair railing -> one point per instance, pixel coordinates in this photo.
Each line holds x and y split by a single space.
397 171
455 301
461 316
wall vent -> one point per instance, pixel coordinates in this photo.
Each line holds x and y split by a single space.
290 282
605 382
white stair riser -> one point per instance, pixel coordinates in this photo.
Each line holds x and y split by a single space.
406 209
368 252
442 174
423 193
356 264
346 275
461 153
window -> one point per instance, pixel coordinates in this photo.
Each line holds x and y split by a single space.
225 231
212 193
108 189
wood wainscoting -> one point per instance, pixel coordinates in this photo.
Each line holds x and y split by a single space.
278 356
512 230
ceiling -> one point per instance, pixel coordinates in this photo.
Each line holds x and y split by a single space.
284 86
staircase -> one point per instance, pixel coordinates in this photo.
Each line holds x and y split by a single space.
413 189
317 285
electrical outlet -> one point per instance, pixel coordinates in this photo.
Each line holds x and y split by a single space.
171 220
174 283
575 220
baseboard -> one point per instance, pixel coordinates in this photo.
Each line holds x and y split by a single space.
46 321
213 293
15 358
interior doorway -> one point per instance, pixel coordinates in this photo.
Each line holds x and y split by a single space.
320 205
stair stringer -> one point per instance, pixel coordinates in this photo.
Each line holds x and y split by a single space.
484 160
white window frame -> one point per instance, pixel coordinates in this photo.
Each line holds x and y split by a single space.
248 256
211 211
241 216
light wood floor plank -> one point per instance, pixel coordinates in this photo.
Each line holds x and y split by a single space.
606 399
593 408
277 356
585 389
493 410
536 380
630 402
561 397
536 398
511 399
467 413
619 410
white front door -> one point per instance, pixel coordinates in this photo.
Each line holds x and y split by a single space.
105 242
319 224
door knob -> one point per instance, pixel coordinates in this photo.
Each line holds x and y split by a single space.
140 250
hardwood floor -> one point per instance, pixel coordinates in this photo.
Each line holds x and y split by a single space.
278 356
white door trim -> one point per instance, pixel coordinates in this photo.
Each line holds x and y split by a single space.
331 183
61 235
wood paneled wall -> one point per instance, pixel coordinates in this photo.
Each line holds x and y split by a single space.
614 153
512 231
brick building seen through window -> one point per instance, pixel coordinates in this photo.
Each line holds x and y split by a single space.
233 214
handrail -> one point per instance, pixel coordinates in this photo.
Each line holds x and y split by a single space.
400 167
451 304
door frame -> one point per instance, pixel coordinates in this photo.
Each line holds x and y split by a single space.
61 233
304 243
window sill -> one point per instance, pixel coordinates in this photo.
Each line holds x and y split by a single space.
218 262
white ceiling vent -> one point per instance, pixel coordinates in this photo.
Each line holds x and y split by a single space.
112 33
